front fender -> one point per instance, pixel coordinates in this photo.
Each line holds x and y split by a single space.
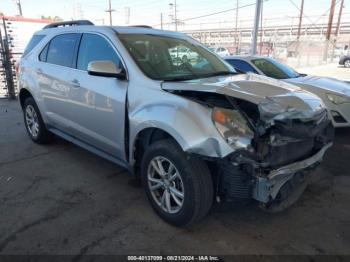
189 123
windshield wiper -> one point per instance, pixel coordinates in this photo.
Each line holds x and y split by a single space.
219 73
174 79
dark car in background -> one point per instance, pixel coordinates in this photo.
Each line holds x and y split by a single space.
345 61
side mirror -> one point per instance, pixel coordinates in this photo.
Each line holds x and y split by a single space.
106 69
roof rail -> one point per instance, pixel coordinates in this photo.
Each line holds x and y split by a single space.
68 23
142 26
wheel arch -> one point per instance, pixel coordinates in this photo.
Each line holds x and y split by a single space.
144 138
23 95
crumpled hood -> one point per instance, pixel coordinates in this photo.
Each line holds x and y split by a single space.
325 83
275 99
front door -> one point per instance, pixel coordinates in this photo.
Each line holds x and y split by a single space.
98 116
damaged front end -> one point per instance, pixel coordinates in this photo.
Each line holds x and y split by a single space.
276 143
287 144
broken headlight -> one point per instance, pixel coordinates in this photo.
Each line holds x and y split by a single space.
233 127
338 99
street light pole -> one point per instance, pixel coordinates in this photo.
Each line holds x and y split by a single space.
256 26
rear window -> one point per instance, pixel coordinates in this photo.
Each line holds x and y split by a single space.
32 43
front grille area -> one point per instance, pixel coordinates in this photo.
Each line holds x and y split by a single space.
305 139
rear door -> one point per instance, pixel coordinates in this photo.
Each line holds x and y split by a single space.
53 74
97 111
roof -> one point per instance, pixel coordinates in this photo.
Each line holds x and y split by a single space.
117 29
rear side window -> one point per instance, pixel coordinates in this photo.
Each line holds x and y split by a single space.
62 50
43 53
95 48
32 43
242 66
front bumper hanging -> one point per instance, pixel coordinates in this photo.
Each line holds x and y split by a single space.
266 188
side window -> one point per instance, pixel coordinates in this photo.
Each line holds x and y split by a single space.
43 54
32 43
61 49
95 48
241 66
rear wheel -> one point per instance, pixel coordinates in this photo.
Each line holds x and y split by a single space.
347 63
34 123
179 187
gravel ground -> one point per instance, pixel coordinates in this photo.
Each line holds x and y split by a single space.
60 199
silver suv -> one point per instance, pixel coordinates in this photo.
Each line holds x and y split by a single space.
193 131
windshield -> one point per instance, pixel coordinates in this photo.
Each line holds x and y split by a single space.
173 59
274 69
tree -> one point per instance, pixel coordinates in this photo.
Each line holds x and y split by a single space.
53 18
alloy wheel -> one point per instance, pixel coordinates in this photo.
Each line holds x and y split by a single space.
347 63
165 184
32 121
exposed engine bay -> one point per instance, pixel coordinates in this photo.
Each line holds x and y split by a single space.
274 152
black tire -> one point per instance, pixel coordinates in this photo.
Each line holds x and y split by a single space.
347 63
196 178
43 135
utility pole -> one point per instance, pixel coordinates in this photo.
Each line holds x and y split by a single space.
339 18
127 14
175 14
110 11
261 27
19 6
337 29
330 20
236 27
256 26
300 19
161 21
329 30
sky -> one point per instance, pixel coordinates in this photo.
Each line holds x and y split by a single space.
149 11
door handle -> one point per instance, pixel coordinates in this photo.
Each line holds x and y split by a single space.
39 71
75 83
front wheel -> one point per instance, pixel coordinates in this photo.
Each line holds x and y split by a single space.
178 186
347 63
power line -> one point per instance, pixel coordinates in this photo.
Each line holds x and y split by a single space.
215 13
313 23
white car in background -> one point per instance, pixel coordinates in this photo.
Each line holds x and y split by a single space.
221 51
183 54
334 93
